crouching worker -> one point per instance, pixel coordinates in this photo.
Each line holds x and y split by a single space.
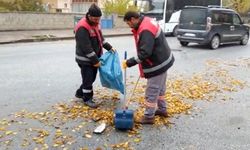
154 58
89 44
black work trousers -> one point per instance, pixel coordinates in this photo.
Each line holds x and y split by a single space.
88 78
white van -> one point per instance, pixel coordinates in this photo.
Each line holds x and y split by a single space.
172 25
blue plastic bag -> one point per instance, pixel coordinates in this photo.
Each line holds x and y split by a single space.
110 72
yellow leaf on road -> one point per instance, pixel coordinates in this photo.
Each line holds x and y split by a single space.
8 132
137 140
2 129
88 136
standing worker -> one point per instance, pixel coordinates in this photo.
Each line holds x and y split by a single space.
89 44
154 58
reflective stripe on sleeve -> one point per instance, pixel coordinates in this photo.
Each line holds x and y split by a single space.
159 66
91 54
137 60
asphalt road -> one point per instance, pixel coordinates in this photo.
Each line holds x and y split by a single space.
35 76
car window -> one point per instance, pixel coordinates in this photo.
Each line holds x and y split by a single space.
236 19
228 18
216 18
195 16
219 17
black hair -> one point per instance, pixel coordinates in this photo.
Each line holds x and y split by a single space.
130 14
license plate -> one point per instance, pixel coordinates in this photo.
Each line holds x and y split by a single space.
189 34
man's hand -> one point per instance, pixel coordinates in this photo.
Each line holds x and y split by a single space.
97 64
124 64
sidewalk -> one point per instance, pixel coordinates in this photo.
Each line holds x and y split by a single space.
7 37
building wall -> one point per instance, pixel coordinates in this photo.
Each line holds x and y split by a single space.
82 6
68 6
36 21
50 5
65 5
42 21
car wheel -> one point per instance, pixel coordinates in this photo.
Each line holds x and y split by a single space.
184 43
215 42
244 40
175 31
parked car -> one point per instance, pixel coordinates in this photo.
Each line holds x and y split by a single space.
212 26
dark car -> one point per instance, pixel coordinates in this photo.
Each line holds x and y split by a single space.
211 26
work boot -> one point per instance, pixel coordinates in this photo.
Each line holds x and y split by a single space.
161 113
146 120
91 103
79 93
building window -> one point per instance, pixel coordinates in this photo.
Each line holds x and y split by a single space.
59 10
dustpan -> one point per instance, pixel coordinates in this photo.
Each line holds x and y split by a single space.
124 117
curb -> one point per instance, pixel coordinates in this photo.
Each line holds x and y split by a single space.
56 38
